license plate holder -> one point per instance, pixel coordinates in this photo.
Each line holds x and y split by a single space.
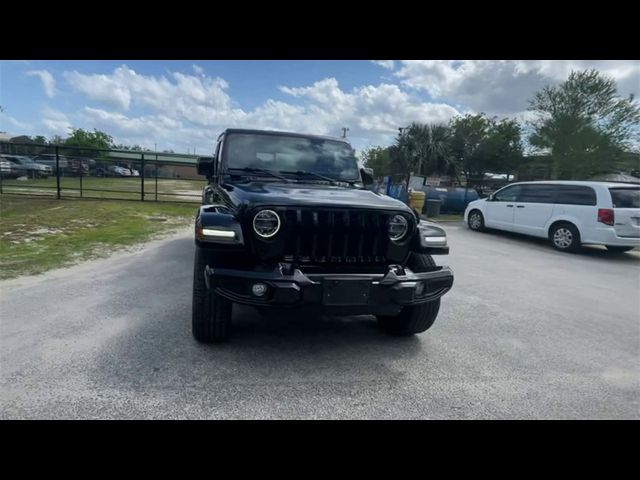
342 292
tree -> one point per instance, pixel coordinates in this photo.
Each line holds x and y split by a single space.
584 124
502 150
94 140
56 140
377 158
468 149
426 148
40 139
134 148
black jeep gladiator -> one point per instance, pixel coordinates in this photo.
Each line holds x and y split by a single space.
287 221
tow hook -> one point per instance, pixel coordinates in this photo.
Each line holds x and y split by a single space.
207 273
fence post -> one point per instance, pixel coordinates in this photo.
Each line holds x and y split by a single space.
81 173
142 179
156 177
57 172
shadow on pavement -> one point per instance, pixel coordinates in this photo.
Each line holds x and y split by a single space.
156 350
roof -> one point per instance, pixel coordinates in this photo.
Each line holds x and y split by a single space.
575 182
5 137
168 158
288 134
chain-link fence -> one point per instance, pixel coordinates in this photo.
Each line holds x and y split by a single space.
75 172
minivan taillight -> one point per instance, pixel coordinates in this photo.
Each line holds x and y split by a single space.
605 215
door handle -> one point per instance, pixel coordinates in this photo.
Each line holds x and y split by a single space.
510 206
520 206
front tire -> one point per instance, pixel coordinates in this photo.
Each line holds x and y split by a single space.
475 220
565 237
211 313
614 249
415 318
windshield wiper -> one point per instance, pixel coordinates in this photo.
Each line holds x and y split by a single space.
312 174
332 181
259 171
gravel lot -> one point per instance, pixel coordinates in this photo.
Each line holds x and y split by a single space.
526 332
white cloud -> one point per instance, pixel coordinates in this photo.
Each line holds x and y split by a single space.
388 64
503 87
189 108
198 69
55 122
12 125
102 88
48 82
374 111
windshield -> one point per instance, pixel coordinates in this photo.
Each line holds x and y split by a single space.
291 154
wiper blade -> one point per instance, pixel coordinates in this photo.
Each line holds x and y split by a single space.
260 171
332 181
312 174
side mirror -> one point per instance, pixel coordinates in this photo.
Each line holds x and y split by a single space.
205 166
367 176
490 198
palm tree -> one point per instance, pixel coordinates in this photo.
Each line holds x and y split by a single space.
438 151
425 147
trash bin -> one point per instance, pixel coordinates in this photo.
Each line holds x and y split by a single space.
416 200
433 207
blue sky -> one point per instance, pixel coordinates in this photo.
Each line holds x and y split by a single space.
185 104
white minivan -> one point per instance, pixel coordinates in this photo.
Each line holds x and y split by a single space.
568 213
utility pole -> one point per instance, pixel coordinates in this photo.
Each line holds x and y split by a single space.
344 132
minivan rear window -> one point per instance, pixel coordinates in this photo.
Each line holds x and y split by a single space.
625 197
575 195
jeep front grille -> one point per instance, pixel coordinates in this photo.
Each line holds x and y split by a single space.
334 236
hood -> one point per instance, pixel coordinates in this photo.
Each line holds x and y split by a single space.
305 194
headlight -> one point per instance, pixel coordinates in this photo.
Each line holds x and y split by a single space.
266 223
398 227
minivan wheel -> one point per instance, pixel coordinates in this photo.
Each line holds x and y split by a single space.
565 237
476 221
614 249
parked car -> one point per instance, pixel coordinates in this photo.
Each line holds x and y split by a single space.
287 221
6 170
26 166
568 213
68 166
50 160
118 171
13 169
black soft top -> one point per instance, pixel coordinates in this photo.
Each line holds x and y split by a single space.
280 133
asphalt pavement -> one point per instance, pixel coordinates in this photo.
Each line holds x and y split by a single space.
526 332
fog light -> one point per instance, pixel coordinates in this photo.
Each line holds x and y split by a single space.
259 289
419 288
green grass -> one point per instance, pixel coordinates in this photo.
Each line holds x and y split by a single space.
39 234
127 188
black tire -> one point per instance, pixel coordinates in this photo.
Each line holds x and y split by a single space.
416 318
614 249
475 221
565 237
211 313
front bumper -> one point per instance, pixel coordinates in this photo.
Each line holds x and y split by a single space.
290 287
